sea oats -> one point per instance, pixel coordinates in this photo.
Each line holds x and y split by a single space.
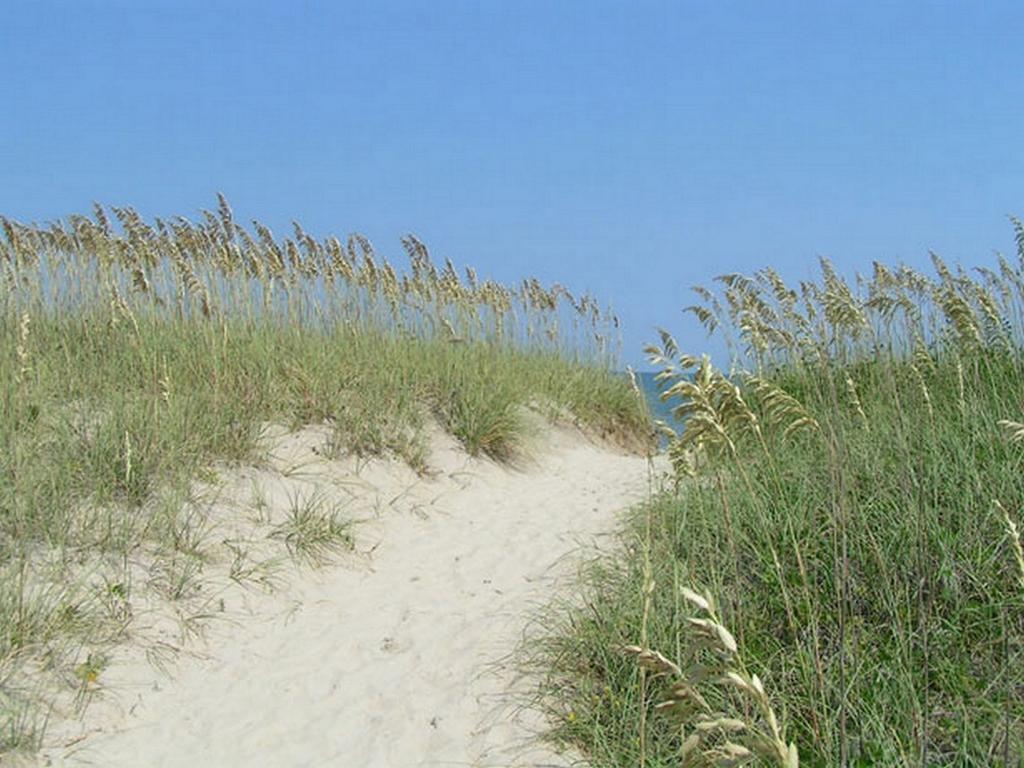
751 732
1014 430
1014 534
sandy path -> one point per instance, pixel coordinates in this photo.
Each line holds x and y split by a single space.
389 659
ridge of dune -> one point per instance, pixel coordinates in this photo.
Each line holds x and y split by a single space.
392 656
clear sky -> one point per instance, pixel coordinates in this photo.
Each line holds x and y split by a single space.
631 149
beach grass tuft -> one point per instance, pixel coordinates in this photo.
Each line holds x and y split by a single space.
135 356
849 490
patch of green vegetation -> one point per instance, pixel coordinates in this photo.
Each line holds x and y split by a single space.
133 356
853 506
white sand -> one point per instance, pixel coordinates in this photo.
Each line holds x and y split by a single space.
391 657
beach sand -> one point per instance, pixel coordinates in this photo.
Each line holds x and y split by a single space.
394 655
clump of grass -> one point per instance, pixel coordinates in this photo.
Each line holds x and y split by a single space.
134 355
713 737
314 531
836 494
1014 534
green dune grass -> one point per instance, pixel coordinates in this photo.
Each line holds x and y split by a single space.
134 356
852 504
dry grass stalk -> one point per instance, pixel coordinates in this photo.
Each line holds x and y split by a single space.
713 737
21 348
1014 533
1014 430
179 264
851 389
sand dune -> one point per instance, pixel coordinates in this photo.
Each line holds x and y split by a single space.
392 657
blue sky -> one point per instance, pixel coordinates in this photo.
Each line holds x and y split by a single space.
630 149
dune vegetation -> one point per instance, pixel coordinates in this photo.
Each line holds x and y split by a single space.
137 355
838 578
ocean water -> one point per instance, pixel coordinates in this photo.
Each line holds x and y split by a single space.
659 410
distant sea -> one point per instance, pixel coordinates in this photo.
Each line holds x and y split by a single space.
659 410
